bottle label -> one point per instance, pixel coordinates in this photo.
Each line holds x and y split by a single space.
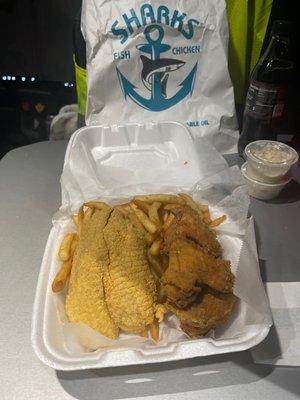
265 101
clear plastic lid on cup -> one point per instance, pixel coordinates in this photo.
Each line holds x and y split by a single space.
270 160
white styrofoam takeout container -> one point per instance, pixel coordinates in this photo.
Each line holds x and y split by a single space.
168 150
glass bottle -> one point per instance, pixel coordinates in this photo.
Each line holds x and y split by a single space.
268 89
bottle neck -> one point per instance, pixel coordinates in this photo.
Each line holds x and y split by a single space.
278 47
280 38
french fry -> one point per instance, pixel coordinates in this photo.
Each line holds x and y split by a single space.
169 221
153 212
165 217
75 219
149 238
155 247
164 261
217 221
195 206
122 210
65 247
162 198
155 265
205 213
80 219
189 201
88 213
144 333
144 219
203 207
98 205
142 205
126 210
170 207
130 214
160 294
154 330
61 277
74 244
124 207
160 312
206 217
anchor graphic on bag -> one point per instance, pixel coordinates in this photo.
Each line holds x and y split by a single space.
155 74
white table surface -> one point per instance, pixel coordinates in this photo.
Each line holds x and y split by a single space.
29 196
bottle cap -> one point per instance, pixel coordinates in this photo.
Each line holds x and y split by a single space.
282 28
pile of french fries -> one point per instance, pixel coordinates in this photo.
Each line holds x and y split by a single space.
152 213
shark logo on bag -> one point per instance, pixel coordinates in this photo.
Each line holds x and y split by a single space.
155 74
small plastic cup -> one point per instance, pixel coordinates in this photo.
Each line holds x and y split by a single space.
269 161
263 190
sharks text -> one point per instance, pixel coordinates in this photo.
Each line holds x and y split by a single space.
133 20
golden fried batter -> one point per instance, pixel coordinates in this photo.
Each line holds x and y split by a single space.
194 259
209 310
188 225
189 268
111 285
86 296
130 288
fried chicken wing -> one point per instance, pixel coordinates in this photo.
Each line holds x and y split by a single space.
188 225
190 268
209 310
194 259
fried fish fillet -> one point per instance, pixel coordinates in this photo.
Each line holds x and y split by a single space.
86 300
209 310
194 259
111 285
130 287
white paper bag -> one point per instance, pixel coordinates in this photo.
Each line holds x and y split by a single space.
154 61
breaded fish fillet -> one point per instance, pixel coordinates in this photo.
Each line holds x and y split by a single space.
86 295
130 289
111 285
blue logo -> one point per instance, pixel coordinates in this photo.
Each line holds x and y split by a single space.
155 74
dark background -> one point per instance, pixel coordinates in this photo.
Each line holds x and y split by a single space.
36 38
37 41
